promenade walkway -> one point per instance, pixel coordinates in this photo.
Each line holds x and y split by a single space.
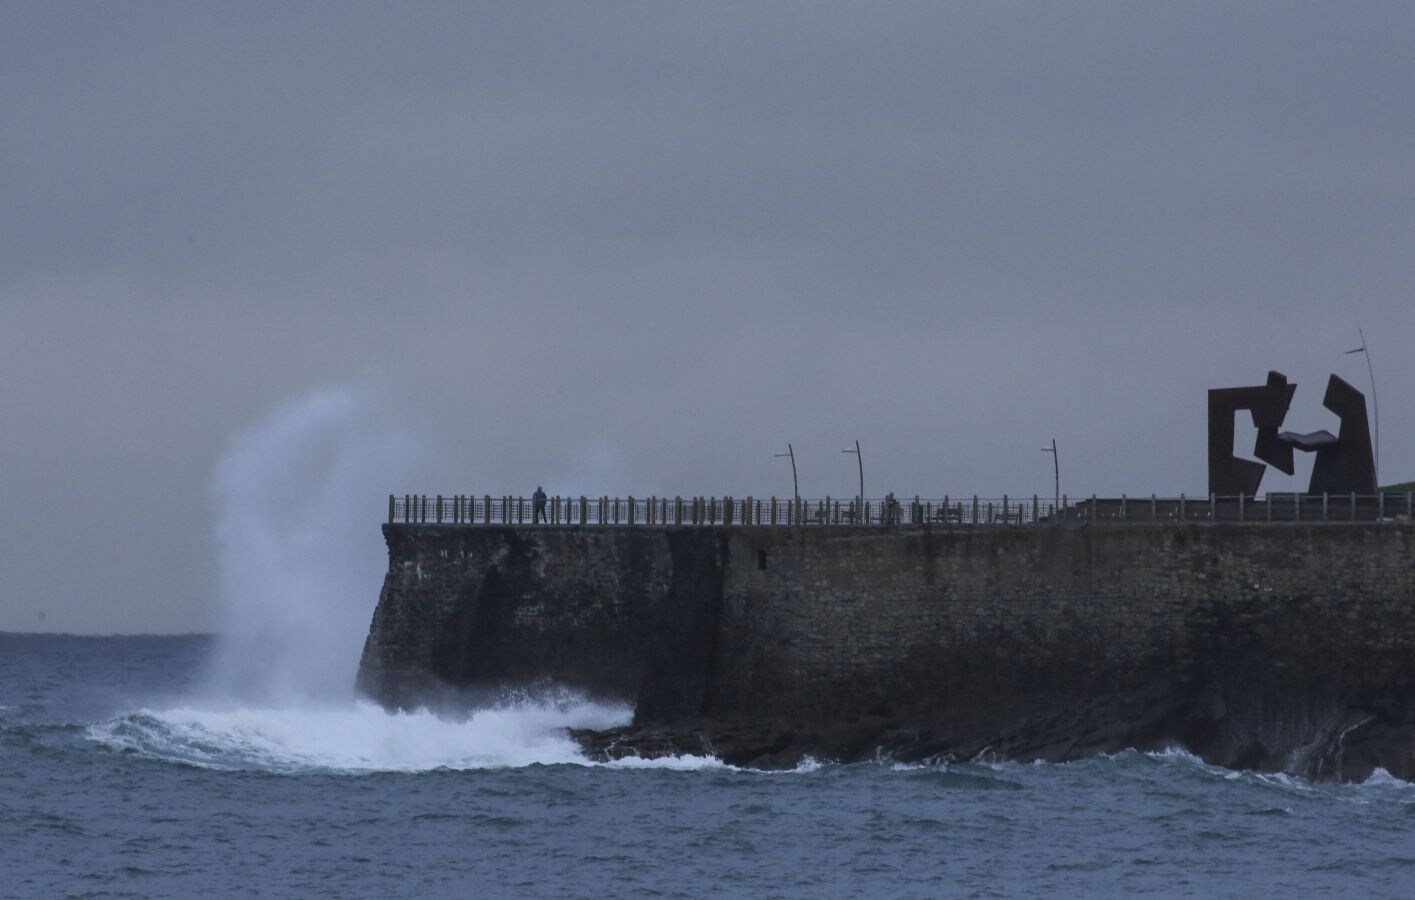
969 511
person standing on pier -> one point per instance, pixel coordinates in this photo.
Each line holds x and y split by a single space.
538 504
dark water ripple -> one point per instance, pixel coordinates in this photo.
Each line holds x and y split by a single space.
100 817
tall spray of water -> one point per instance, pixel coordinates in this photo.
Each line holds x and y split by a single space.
298 498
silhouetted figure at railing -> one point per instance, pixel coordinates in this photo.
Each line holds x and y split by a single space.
538 505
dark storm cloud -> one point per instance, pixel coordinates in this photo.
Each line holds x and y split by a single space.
649 244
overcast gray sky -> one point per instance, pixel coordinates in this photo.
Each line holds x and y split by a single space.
637 248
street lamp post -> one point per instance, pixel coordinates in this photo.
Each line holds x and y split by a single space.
1056 471
1375 404
859 459
795 486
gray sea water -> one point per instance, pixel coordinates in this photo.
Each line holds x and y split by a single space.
118 778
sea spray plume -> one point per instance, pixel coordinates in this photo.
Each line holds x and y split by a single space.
298 498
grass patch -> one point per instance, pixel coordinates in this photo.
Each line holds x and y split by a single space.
1403 487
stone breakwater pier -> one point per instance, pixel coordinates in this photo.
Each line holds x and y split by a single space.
1273 645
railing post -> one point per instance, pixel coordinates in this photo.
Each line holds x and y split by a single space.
1124 515
1353 506
631 510
1240 506
1005 519
1213 507
1094 511
390 508
1154 508
438 510
1183 512
948 513
975 510
1036 510
1380 504
1324 507
1296 507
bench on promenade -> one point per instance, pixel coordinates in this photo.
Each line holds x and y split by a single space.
948 515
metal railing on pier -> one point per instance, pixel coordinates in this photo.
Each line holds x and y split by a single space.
467 509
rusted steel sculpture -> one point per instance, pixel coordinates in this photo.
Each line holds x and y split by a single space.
1345 463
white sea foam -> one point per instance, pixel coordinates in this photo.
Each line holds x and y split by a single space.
686 763
1383 779
360 737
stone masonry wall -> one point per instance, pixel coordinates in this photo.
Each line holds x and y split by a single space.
845 621
623 613
1270 632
